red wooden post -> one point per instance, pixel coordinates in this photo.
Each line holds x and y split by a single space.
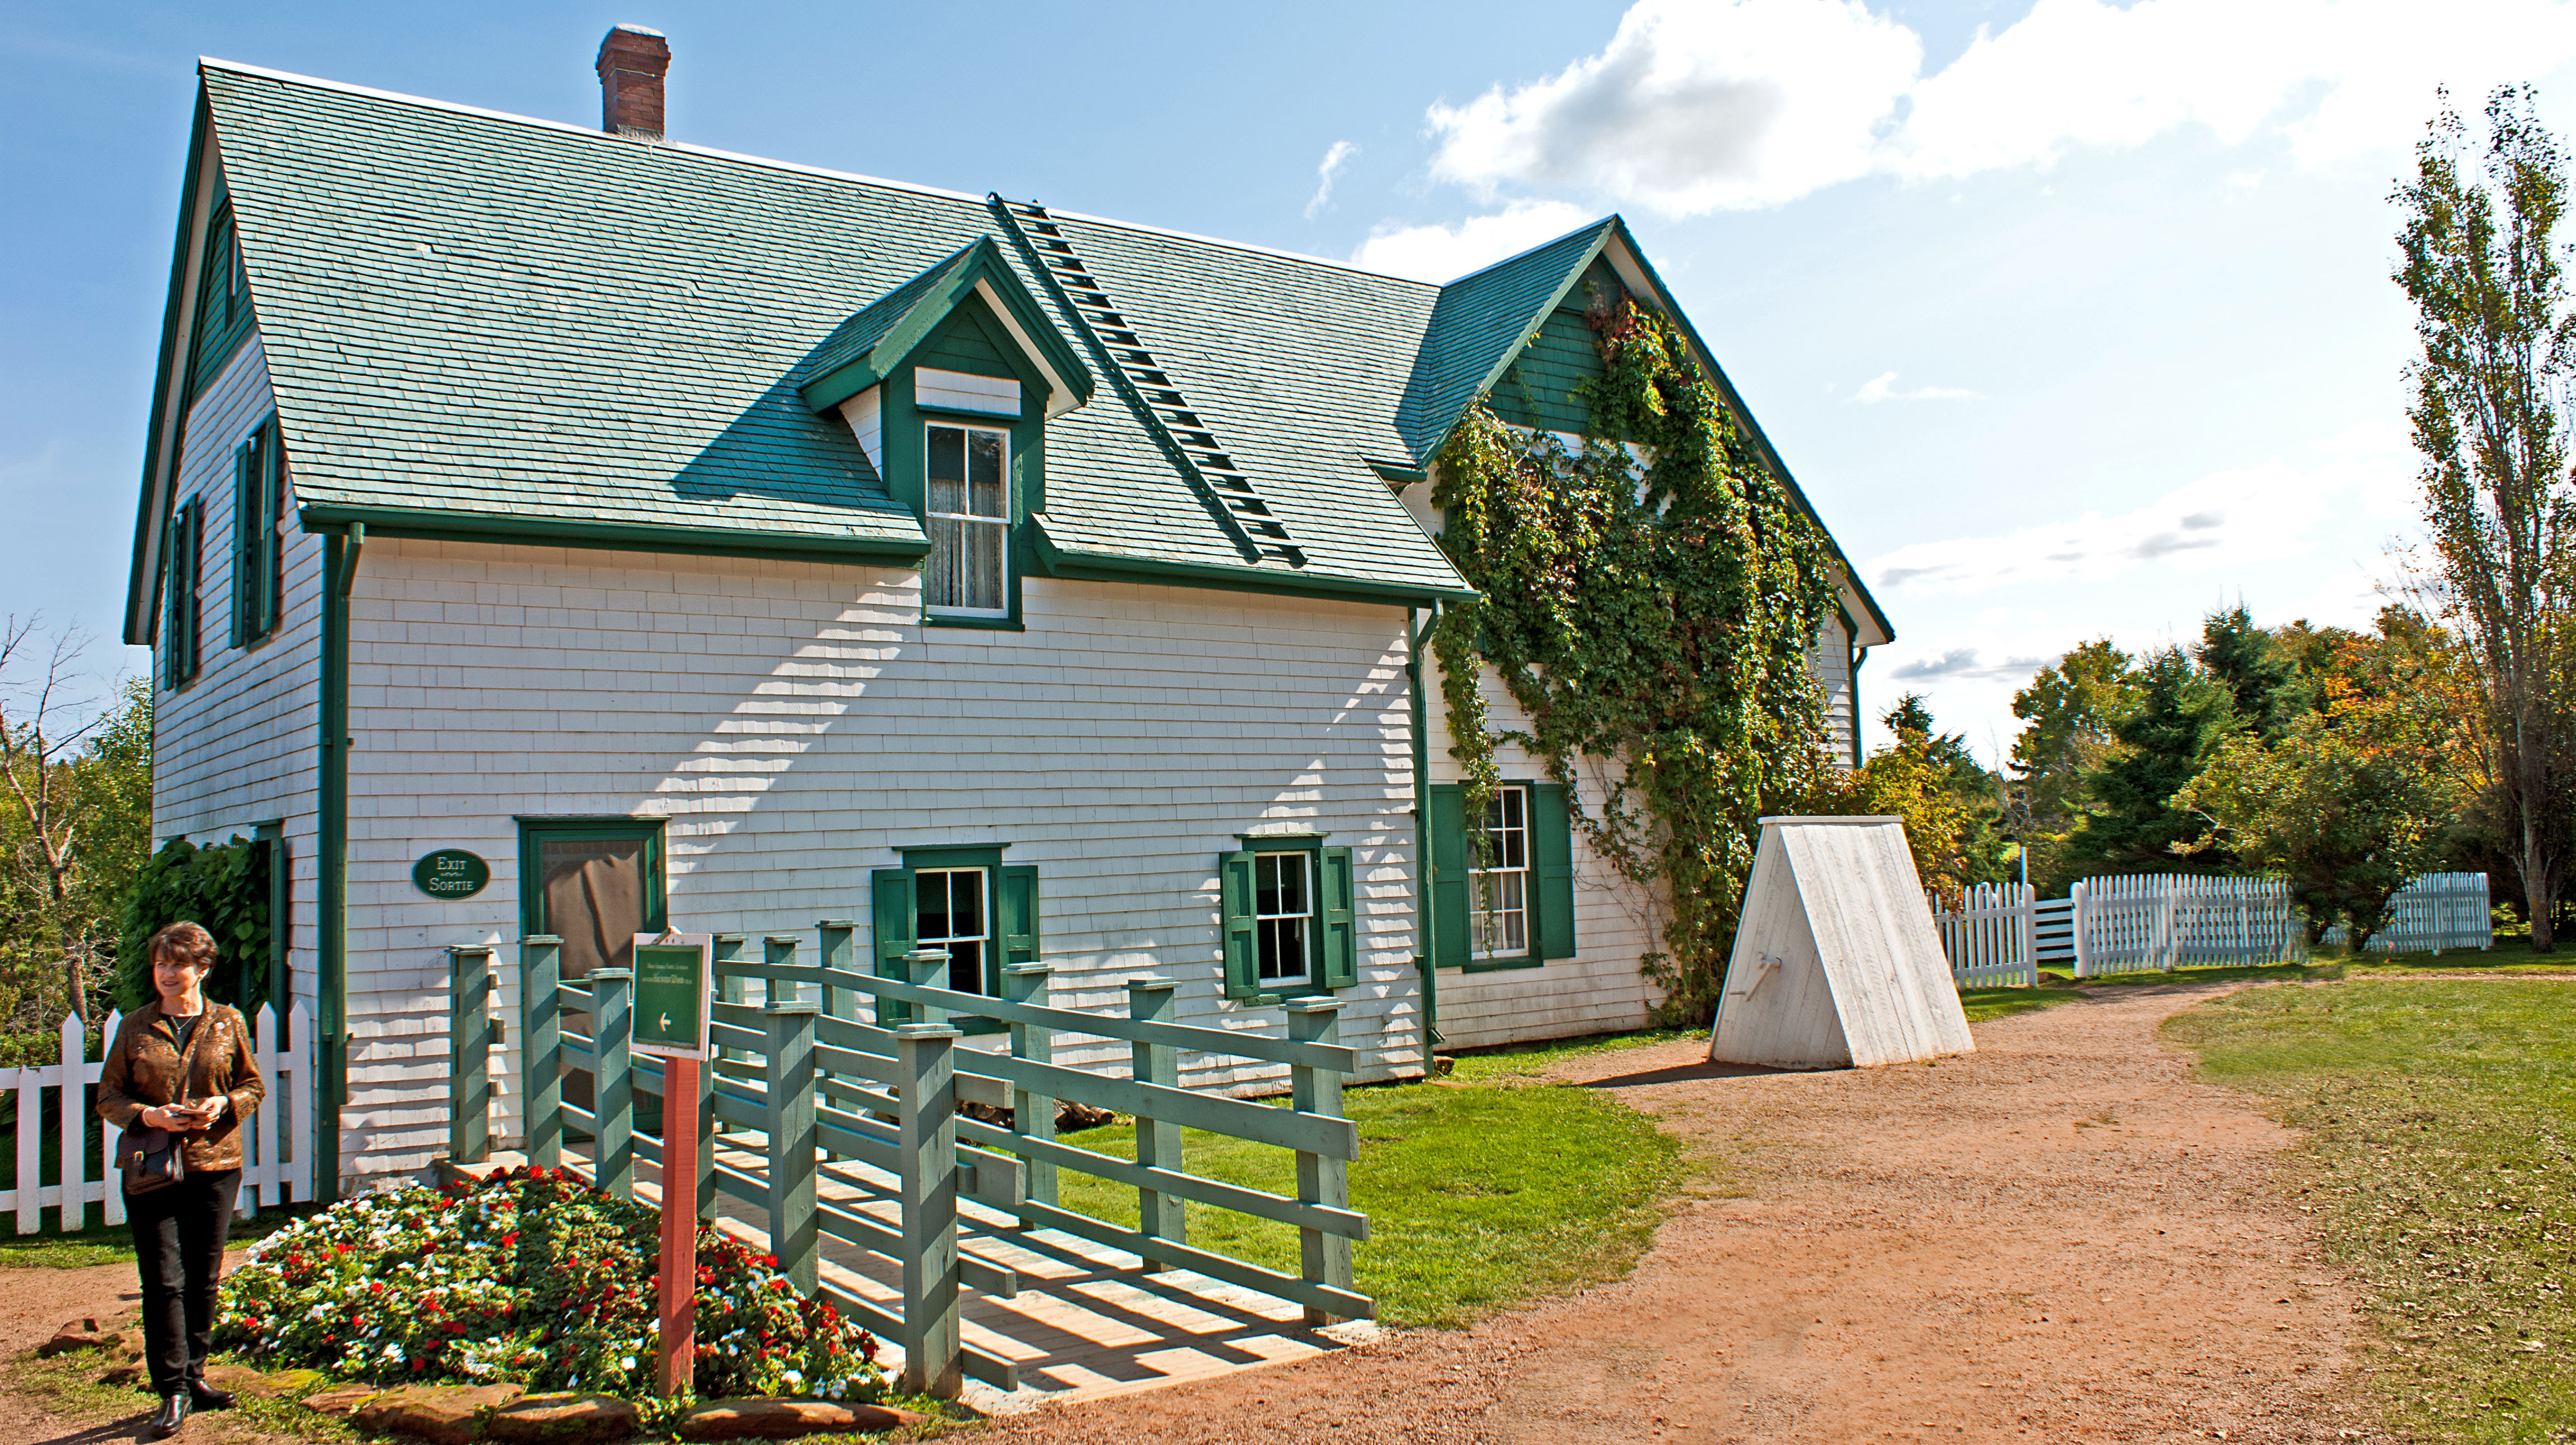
679 1287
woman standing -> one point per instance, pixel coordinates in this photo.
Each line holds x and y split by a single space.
180 1065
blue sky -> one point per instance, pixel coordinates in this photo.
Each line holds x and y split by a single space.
2073 318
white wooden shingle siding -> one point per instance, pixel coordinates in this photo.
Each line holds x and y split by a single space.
960 391
234 748
796 724
1829 661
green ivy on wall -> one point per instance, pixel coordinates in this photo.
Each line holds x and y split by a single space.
221 887
1652 607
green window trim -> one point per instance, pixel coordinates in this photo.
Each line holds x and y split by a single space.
1011 920
1333 941
970 340
259 549
1550 897
180 657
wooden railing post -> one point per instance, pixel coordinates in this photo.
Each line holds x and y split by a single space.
540 1049
1158 1141
613 1080
928 968
778 950
1032 1115
469 1053
1323 1258
840 954
926 1160
793 1229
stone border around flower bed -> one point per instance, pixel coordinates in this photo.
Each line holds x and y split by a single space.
466 1414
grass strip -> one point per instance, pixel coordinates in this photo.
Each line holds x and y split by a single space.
1483 1190
2441 1156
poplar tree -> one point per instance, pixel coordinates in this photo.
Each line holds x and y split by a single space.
2480 260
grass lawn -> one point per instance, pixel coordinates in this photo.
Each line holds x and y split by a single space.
1483 1190
2441 1156
114 1243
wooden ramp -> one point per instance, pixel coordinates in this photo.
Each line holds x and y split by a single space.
1085 1323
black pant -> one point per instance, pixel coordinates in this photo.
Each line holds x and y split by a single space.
179 1234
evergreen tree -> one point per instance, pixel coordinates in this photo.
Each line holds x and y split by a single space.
2181 716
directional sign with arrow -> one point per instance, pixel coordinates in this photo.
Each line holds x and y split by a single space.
671 994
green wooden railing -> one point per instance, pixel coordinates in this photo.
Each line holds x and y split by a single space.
824 1089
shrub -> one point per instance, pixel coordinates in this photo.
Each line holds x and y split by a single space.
221 887
533 1277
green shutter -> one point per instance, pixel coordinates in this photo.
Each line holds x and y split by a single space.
170 604
893 887
1234 892
272 510
1552 853
266 550
1449 876
245 503
1017 912
186 524
1341 934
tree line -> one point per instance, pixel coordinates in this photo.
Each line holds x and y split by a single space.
2346 761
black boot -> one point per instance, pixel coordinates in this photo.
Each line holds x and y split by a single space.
203 1396
167 1420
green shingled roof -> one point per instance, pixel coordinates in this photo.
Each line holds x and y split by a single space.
489 325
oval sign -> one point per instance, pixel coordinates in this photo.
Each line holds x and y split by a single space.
450 873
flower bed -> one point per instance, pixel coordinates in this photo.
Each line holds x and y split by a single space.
532 1277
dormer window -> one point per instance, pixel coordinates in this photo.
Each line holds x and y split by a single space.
970 520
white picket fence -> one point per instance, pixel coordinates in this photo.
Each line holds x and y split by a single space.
1989 936
2433 912
277 1169
2161 921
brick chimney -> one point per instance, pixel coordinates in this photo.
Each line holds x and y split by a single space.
632 60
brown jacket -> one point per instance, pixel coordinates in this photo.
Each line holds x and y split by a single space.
142 1071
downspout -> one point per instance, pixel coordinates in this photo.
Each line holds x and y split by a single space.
1859 655
331 862
1425 917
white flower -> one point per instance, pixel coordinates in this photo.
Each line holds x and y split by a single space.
626 1363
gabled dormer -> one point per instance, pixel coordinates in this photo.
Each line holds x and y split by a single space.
948 381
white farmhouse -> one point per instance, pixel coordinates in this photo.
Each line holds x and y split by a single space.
707 541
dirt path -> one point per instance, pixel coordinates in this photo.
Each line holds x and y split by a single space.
33 1304
2059 1237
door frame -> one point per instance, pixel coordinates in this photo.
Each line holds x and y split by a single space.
534 834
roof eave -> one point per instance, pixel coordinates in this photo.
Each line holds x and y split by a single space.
141 590
980 270
1602 230
1850 577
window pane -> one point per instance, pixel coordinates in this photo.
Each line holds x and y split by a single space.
931 908
948 455
965 965
966 902
984 475
1283 950
1292 884
987 560
943 577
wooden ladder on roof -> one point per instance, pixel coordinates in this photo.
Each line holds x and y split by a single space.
1148 388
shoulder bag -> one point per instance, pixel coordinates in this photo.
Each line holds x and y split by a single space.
152 1158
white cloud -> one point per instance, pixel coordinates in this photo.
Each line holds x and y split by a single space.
2225 520
1331 167
1705 105
1443 253
1695 107
1883 388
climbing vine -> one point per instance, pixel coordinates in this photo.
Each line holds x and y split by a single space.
1648 604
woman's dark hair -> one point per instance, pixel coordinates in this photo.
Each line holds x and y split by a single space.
182 943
